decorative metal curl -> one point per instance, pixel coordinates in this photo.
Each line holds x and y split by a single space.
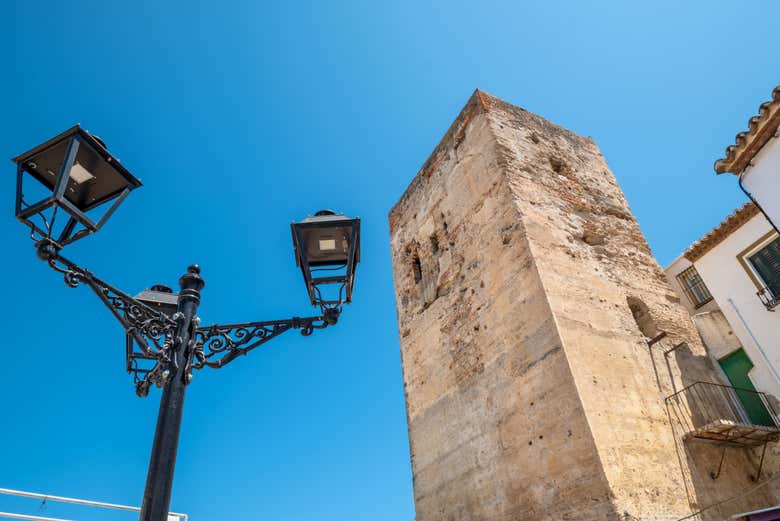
149 329
72 279
145 378
215 346
155 333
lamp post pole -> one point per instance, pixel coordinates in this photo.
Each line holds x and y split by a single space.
159 478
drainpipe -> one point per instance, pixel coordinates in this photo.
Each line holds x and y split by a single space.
753 199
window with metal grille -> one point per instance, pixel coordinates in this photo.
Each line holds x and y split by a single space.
766 262
694 287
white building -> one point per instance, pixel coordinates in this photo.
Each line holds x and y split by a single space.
729 280
755 159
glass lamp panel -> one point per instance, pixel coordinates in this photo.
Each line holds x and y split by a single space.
326 246
95 177
92 180
105 184
45 165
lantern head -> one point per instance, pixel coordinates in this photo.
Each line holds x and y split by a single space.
161 298
327 249
77 174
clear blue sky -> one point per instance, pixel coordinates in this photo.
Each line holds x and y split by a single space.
240 117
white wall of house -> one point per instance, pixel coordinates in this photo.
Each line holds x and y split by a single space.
762 179
757 329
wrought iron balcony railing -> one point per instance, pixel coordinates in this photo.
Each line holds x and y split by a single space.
769 296
721 413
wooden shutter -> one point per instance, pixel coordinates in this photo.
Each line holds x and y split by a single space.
767 263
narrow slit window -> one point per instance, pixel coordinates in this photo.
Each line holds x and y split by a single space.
417 269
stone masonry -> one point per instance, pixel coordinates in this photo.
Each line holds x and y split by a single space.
526 296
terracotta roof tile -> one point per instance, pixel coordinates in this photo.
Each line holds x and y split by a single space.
742 215
761 128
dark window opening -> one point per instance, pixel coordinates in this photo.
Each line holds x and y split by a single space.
766 262
435 244
417 269
642 317
694 287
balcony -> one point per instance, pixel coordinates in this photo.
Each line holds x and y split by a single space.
723 414
769 296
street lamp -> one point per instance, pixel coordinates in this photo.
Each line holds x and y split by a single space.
81 174
327 242
165 342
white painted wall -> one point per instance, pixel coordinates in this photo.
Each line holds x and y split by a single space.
762 179
758 330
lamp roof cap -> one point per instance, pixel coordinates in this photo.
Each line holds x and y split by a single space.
326 216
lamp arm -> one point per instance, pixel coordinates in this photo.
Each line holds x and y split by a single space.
146 325
217 345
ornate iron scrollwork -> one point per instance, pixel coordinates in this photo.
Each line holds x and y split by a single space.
217 345
151 334
150 330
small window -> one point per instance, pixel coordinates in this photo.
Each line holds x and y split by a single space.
694 287
766 262
417 269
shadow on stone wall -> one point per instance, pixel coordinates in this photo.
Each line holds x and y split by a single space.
720 479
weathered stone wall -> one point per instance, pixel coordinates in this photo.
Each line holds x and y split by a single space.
608 295
486 380
526 295
716 333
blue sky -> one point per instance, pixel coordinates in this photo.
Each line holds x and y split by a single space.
242 116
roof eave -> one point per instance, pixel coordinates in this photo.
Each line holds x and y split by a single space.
748 143
721 232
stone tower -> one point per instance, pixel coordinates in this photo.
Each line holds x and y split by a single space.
526 297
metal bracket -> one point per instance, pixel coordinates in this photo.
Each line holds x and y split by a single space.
760 464
217 345
150 330
716 474
675 348
660 336
151 333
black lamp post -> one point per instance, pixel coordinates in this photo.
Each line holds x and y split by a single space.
164 340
